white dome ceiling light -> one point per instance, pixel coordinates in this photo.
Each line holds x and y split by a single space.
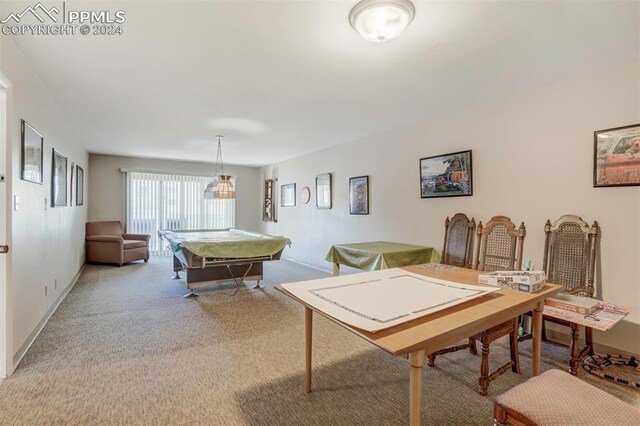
380 21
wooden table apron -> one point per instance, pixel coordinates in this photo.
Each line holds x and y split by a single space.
422 336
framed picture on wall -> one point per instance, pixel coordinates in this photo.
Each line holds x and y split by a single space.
73 170
616 156
31 161
359 195
58 180
288 195
448 175
323 191
79 186
269 207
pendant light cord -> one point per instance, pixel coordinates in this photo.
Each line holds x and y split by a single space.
219 164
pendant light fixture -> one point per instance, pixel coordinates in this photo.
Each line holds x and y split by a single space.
380 21
220 187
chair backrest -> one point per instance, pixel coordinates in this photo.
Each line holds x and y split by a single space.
500 245
457 249
104 228
570 254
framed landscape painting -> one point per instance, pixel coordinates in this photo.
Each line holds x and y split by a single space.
448 175
32 145
359 195
58 180
288 195
616 156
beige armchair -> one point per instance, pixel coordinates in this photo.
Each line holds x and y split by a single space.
107 243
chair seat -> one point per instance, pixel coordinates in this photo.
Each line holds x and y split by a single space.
558 398
132 244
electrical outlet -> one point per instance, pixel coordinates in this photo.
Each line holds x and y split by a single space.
45 291
55 284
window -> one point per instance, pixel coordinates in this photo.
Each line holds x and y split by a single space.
161 201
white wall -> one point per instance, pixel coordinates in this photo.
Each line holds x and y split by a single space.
46 244
106 185
532 161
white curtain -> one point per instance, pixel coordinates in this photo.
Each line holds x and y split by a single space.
158 201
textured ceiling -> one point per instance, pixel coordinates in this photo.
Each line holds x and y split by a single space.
281 79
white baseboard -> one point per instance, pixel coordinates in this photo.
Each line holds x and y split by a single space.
309 265
22 351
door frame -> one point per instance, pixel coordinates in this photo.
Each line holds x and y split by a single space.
6 289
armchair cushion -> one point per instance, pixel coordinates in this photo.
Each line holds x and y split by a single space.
131 244
105 239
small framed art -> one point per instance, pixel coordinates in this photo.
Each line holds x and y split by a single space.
616 155
359 195
448 175
323 191
31 160
58 180
79 186
269 206
288 195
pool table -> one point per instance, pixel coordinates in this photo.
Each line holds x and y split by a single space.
219 255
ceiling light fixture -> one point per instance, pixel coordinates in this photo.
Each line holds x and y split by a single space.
220 187
380 21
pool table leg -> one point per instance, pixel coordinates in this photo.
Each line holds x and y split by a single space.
191 293
177 267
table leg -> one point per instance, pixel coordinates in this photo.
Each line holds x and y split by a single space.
416 362
308 336
336 269
537 337
575 349
588 335
483 381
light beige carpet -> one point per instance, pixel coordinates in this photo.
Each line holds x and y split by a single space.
125 348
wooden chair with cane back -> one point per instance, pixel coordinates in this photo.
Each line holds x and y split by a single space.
499 247
497 244
457 250
570 251
570 254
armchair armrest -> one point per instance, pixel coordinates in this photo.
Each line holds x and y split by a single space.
138 237
105 239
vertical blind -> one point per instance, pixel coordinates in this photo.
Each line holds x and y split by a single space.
158 201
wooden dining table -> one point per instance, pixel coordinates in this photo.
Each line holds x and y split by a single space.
417 338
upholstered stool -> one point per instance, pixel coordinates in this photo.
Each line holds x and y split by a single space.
558 398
